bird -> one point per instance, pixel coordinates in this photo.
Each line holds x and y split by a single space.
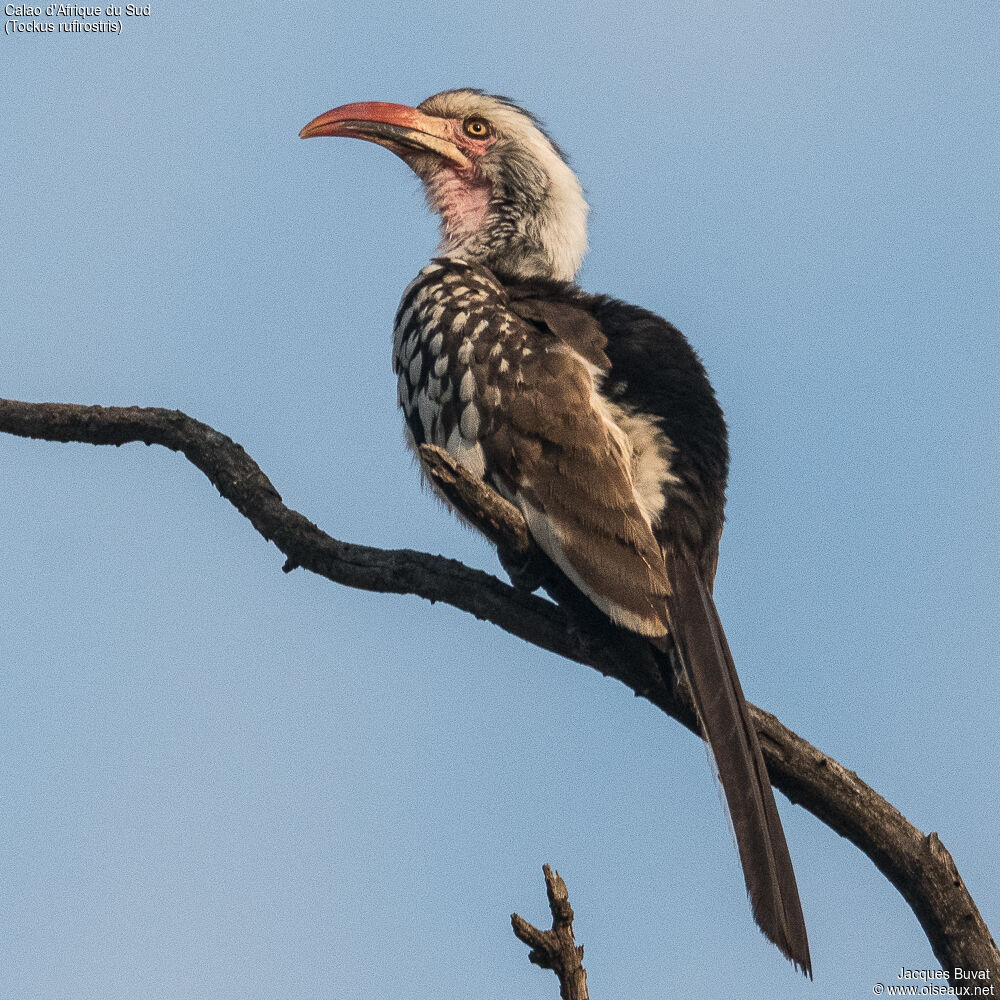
594 417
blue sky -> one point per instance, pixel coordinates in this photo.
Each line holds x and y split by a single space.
223 781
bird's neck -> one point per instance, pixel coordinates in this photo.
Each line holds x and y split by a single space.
462 203
526 237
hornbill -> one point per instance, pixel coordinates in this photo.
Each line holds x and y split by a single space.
595 418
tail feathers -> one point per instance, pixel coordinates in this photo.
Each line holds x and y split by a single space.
725 720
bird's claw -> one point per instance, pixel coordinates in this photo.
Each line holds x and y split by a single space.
526 570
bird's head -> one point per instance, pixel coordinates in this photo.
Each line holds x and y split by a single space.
505 193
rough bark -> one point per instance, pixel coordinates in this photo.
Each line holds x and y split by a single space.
918 865
556 949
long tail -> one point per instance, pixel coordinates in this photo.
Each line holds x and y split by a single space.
767 866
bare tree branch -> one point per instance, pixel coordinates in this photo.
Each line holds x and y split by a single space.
918 866
556 949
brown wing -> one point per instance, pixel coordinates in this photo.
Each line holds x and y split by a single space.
576 328
565 466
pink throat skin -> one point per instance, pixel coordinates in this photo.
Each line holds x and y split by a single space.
462 203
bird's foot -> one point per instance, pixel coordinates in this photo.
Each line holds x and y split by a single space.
527 571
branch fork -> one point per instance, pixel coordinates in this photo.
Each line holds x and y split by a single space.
556 949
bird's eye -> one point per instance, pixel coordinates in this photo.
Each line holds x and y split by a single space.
476 128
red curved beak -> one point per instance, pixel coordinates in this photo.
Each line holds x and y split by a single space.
398 127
